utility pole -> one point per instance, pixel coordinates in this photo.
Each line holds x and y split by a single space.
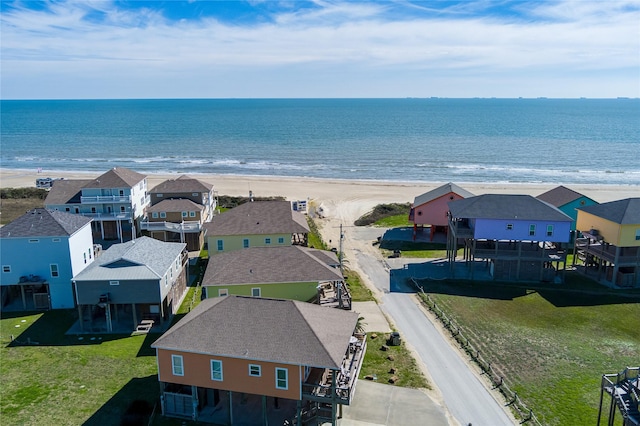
340 257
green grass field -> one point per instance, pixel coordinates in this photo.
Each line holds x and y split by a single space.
551 345
400 220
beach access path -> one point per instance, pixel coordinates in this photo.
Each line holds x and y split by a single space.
458 386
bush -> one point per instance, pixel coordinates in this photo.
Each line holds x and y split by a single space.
15 193
381 211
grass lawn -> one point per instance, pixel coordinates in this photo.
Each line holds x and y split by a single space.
377 364
400 220
359 292
14 208
414 249
551 345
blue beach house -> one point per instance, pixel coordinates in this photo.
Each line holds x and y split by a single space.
41 251
519 237
567 200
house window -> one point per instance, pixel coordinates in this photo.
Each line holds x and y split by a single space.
549 230
6 268
55 240
282 381
114 282
220 245
280 240
67 209
176 365
255 370
267 240
85 257
154 215
93 209
90 254
184 214
34 241
532 230
216 370
192 214
509 226
163 215
159 195
195 194
77 210
255 292
223 292
638 234
245 243
54 270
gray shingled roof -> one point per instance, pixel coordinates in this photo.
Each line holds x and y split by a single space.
286 331
506 206
118 177
143 258
44 223
623 212
66 192
182 184
262 265
439 192
560 195
176 205
258 218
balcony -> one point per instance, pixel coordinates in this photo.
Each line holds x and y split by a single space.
100 199
338 386
109 216
186 227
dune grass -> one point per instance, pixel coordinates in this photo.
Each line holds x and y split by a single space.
551 345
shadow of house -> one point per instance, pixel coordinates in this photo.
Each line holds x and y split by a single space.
131 405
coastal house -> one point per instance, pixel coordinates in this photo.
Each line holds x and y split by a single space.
41 251
179 208
256 224
287 272
519 237
139 282
431 208
609 246
273 361
567 200
115 200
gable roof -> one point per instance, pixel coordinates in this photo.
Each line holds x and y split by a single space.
143 258
439 192
175 205
506 206
286 331
560 195
258 218
118 177
44 223
66 191
182 184
623 212
262 265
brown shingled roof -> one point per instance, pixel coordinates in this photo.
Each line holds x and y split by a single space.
182 184
118 177
175 205
271 330
258 218
66 192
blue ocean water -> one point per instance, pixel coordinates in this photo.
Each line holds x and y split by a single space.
437 140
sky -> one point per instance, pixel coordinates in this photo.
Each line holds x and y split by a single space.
319 49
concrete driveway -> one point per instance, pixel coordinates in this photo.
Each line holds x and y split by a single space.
380 404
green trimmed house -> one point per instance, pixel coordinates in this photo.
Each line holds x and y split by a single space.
291 272
256 224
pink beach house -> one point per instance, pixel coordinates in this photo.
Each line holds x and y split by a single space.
431 207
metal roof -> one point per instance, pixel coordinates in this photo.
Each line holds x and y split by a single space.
273 330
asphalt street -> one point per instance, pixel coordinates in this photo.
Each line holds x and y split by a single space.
467 399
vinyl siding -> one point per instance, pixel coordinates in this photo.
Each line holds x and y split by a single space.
303 291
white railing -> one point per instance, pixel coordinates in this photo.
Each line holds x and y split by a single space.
190 226
96 199
109 216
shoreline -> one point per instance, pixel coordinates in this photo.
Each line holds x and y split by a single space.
352 197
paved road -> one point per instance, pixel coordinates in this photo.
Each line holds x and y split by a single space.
466 398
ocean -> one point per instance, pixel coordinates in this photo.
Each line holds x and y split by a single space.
581 141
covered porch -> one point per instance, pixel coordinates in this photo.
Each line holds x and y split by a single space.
31 293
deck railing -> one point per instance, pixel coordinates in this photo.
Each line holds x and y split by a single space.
98 199
188 227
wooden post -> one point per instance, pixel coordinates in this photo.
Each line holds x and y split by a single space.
24 300
135 316
80 317
265 419
299 411
230 408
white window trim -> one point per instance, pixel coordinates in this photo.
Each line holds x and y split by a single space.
34 240
532 230
154 215
6 269
286 378
509 226
280 240
55 240
255 366
192 214
259 292
223 292
267 240
184 214
163 215
173 365
57 270
114 282
221 372
549 230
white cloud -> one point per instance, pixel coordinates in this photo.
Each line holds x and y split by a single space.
328 45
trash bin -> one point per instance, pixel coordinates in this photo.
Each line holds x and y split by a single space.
394 339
